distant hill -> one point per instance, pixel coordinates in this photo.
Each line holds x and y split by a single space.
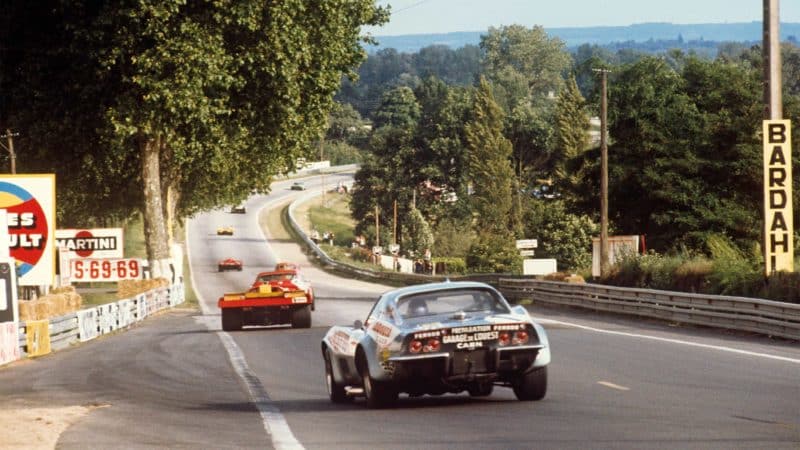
573 37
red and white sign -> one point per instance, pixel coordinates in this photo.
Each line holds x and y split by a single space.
95 243
30 204
83 270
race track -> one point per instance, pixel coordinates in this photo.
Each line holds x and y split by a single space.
177 381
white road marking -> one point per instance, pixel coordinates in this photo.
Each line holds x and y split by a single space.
675 341
613 386
274 423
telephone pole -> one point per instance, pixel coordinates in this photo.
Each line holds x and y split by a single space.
771 51
10 148
604 263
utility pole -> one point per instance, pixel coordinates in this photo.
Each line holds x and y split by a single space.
10 148
377 227
604 263
321 140
773 101
394 225
778 229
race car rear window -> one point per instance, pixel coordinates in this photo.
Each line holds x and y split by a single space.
450 301
275 277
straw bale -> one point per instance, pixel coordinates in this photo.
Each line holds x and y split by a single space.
26 311
131 288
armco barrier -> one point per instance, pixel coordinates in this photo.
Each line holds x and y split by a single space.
86 324
734 313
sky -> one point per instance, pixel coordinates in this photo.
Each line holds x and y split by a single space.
445 16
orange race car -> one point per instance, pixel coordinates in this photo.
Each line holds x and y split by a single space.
275 298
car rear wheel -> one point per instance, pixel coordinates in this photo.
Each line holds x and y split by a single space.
336 390
231 319
379 394
531 385
480 390
301 317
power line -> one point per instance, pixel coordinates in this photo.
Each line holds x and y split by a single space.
410 6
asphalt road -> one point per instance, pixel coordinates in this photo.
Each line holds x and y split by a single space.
177 381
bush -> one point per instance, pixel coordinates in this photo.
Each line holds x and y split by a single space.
783 287
360 254
452 265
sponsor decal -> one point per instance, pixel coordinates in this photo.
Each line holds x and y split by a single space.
509 327
340 341
473 329
427 334
383 333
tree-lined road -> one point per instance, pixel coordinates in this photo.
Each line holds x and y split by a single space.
178 381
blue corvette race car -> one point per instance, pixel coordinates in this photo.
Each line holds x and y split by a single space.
434 339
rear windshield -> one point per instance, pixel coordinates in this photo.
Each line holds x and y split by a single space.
275 277
450 301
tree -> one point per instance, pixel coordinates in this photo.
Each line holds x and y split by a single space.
417 233
514 55
187 94
572 134
561 235
492 179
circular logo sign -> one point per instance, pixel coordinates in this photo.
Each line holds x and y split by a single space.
84 252
27 226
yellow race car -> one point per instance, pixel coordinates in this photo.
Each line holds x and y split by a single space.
225 231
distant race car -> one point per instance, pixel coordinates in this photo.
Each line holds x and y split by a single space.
286 266
298 186
225 231
275 298
238 209
230 264
434 339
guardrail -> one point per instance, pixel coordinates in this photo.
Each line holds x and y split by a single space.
40 337
734 313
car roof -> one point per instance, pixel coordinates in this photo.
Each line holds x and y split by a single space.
277 272
432 287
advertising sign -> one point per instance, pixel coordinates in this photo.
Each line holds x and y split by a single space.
111 270
527 243
9 307
9 342
778 226
91 243
37 337
30 204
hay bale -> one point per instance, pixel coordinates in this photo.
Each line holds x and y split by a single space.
131 288
26 311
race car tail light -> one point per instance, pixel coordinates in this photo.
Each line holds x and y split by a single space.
415 346
520 337
433 345
504 338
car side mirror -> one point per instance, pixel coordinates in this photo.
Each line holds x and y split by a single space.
357 325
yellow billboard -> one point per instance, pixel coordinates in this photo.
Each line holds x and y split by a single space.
778 225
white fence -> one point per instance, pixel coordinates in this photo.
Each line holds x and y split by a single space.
87 324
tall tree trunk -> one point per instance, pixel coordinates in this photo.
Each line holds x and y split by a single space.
155 230
170 195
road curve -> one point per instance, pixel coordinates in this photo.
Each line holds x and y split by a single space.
614 382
